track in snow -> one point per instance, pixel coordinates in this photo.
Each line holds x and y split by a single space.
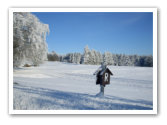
59 86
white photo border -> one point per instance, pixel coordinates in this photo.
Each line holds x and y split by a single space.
153 10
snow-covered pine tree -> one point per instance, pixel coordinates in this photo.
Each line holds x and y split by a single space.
115 58
126 60
108 58
137 60
99 58
77 58
119 59
86 55
132 60
148 61
92 57
29 39
71 58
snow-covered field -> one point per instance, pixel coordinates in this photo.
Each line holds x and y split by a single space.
63 86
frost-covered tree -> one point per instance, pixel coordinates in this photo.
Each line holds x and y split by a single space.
65 58
91 57
86 56
95 58
29 39
99 58
77 58
72 58
53 56
126 60
108 58
136 60
115 58
132 60
119 59
146 61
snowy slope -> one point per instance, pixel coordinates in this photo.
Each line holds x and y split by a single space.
57 86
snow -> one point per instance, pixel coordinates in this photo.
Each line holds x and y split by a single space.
66 86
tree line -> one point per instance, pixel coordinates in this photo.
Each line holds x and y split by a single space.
93 57
30 47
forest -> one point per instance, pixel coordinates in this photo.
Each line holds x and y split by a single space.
93 57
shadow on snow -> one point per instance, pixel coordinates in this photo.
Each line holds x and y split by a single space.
56 100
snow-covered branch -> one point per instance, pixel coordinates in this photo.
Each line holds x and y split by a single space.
29 39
